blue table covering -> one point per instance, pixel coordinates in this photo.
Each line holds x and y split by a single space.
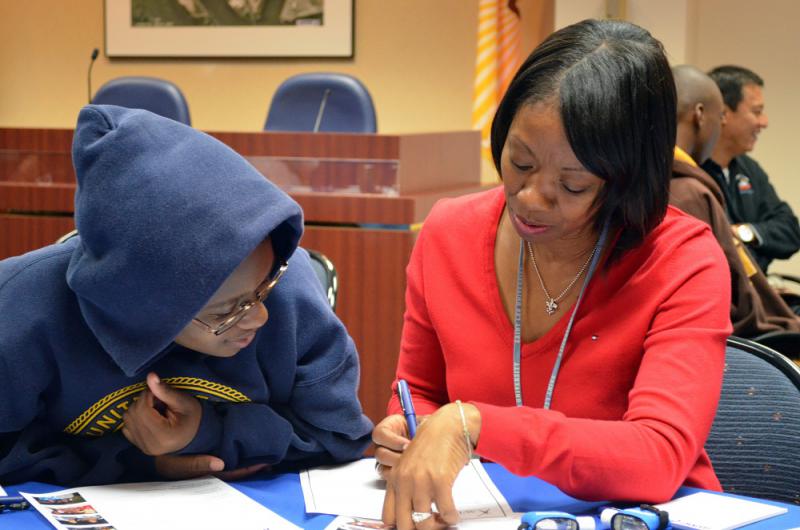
283 495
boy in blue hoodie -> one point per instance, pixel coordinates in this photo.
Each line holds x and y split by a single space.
181 333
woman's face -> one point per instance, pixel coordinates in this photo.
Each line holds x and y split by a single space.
549 194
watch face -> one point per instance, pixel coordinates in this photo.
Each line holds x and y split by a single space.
745 233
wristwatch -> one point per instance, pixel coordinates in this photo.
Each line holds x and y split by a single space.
746 234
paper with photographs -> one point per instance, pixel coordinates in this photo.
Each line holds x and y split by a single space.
205 503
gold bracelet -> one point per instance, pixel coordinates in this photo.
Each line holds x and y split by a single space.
466 431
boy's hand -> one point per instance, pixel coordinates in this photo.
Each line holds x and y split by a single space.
163 420
180 467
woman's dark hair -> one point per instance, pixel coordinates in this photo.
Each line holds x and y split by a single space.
616 98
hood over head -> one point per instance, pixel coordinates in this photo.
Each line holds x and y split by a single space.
165 214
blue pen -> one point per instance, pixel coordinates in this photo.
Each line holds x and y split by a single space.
407 405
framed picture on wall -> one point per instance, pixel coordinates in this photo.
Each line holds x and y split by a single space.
229 28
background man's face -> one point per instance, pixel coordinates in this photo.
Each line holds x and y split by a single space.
743 125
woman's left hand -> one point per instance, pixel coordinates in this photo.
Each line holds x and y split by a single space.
427 470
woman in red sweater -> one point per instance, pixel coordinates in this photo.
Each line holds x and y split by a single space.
619 302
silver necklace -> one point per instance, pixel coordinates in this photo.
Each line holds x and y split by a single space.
548 397
551 303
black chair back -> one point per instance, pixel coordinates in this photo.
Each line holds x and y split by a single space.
326 273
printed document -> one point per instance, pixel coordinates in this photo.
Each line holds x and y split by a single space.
510 522
204 503
710 511
356 490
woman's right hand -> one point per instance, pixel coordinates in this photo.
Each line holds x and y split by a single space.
391 438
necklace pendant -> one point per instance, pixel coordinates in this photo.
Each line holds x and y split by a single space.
550 306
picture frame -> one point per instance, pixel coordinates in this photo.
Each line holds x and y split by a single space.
206 28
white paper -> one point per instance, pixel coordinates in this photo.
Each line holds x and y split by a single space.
356 490
205 503
344 522
2 491
707 511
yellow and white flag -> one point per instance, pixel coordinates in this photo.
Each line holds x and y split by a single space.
496 63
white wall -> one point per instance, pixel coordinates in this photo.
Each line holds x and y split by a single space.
416 56
667 21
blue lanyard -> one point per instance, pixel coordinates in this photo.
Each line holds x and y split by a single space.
518 320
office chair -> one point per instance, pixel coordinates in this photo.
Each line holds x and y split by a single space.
150 93
326 273
327 102
756 432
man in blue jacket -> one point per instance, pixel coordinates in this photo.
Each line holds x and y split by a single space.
181 333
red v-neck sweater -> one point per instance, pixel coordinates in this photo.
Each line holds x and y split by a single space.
641 374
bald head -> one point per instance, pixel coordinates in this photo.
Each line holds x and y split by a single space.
693 86
699 111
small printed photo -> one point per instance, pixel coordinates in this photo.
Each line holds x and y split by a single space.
104 527
72 497
80 520
73 510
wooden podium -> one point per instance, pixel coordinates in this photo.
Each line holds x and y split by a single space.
363 196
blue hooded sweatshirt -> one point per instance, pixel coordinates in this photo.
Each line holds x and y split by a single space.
165 214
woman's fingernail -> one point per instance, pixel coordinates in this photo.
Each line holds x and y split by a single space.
217 465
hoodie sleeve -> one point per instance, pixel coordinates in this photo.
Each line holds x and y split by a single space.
32 447
311 366
38 454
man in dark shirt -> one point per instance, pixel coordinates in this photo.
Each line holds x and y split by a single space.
760 219
756 308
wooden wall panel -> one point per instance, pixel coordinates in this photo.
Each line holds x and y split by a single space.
16 197
371 268
22 233
303 144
